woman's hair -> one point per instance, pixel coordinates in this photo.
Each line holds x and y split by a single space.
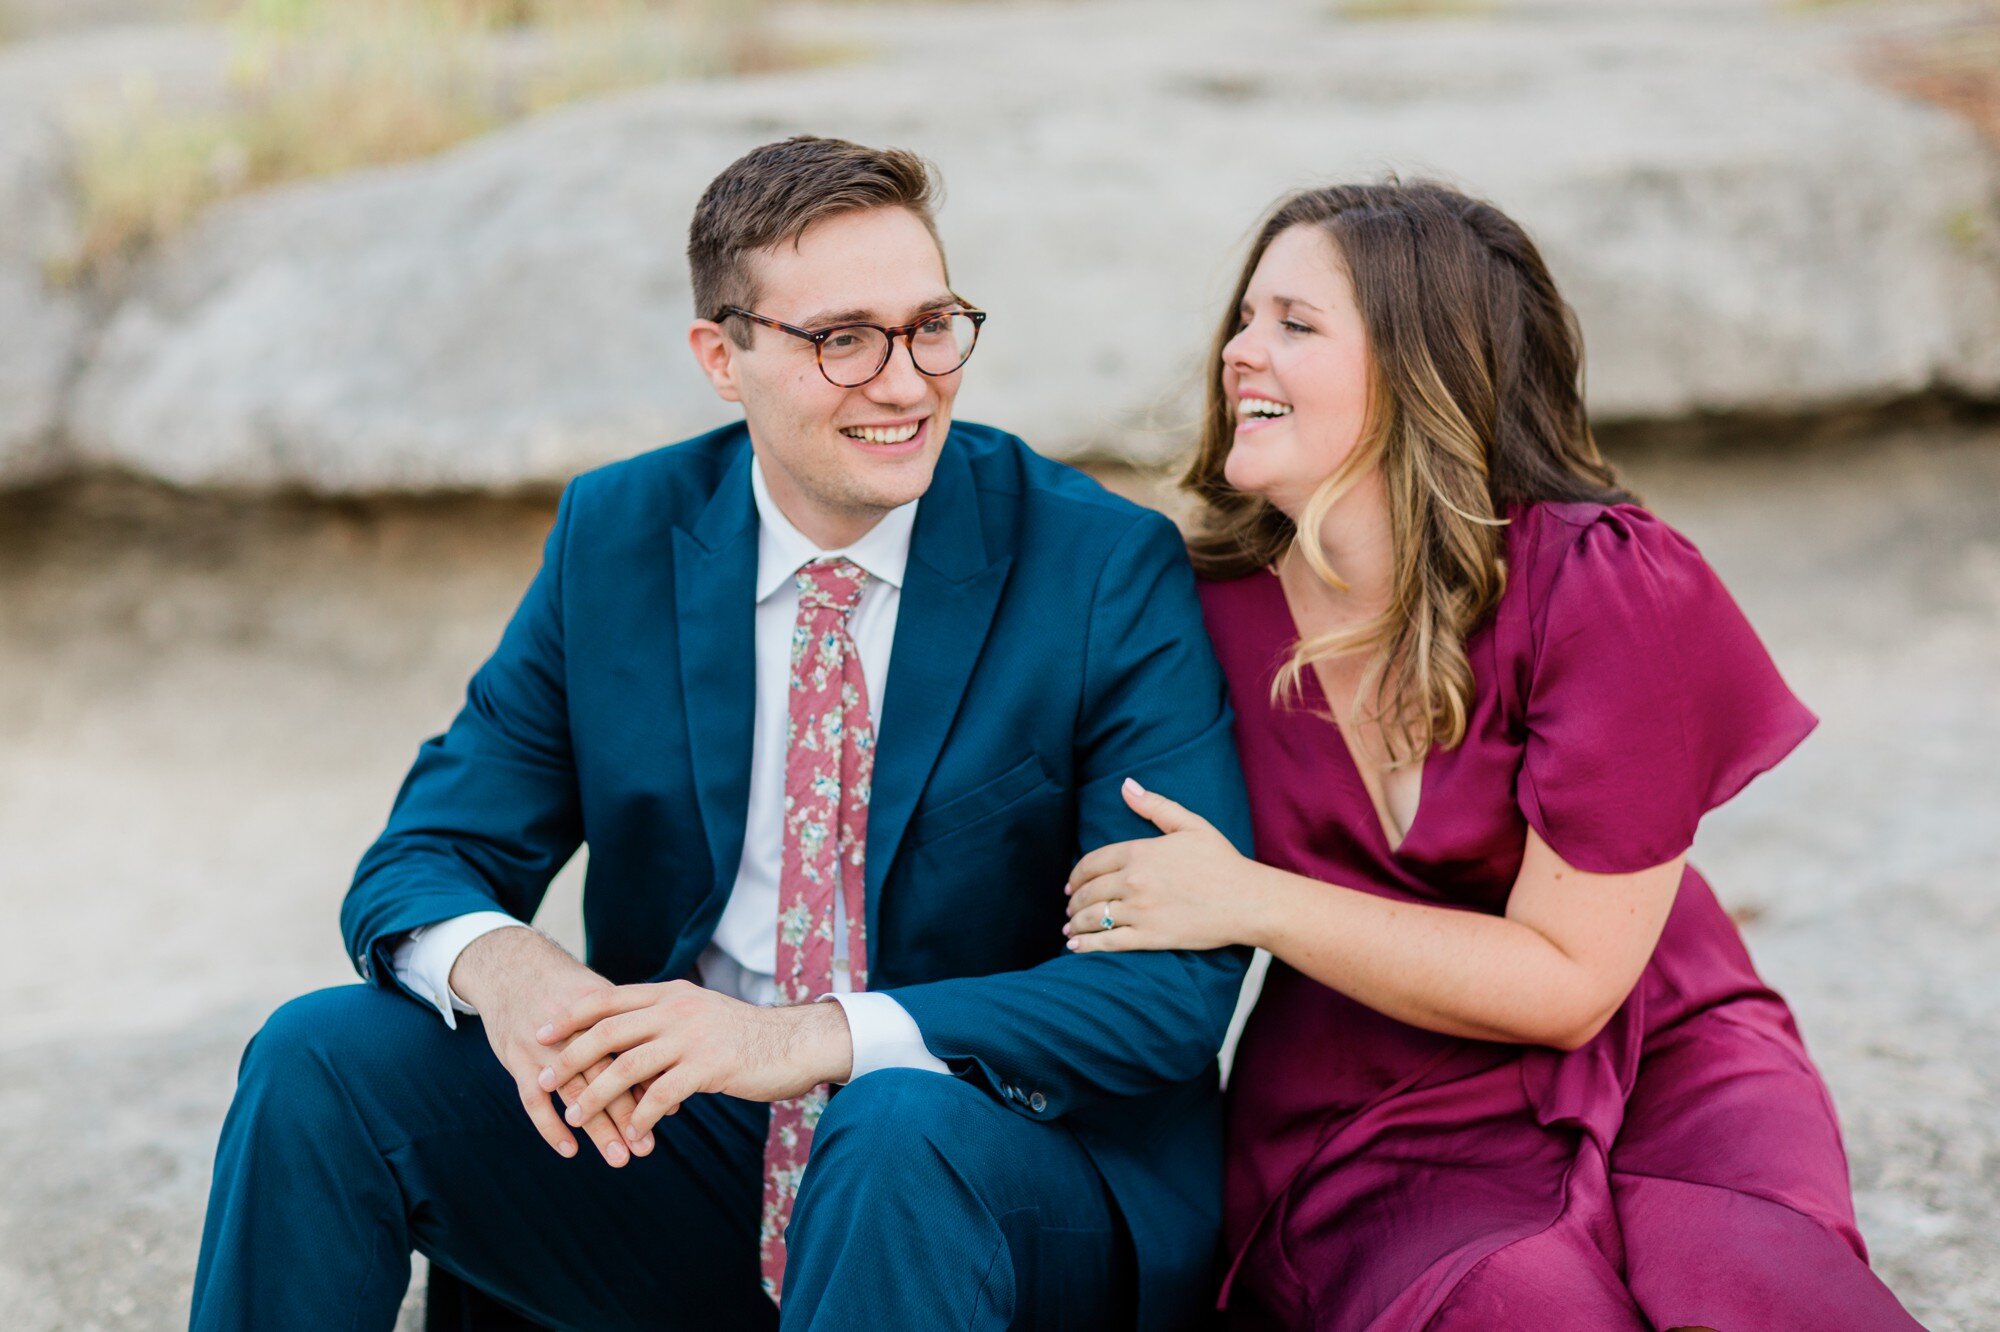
1475 404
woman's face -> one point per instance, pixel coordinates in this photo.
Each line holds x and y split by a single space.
1296 373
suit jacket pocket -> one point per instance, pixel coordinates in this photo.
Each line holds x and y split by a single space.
981 803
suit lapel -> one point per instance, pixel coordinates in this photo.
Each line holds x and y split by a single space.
950 591
715 576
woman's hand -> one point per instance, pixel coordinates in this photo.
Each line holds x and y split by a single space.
1181 890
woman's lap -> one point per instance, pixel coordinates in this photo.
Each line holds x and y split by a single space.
1723 1202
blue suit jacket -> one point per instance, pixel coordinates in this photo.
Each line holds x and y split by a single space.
1049 645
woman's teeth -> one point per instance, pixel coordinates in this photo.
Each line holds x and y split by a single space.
1252 408
884 434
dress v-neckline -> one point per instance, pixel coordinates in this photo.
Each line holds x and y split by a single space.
1319 706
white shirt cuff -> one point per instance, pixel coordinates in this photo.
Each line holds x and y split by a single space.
884 1034
423 958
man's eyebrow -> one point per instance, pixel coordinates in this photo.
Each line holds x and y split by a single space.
828 318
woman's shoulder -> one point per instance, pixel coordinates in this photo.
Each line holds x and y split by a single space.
1575 556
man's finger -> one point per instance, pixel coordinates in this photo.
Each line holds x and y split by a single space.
606 1040
664 1097
593 1008
607 1130
628 1068
1104 860
542 1113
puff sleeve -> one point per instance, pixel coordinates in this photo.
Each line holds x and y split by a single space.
1650 699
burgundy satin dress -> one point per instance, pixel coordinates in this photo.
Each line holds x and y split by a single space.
1682 1168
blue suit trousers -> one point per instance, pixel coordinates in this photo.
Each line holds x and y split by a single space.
364 1129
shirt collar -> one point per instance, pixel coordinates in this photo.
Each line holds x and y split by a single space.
782 550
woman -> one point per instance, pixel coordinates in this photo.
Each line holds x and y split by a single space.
1511 1067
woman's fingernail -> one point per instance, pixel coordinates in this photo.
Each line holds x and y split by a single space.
1132 787
566 1147
547 1079
547 1032
1071 945
574 1117
615 1153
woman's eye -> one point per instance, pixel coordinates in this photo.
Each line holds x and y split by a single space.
1294 326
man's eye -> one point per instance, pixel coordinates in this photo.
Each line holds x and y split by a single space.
843 342
931 328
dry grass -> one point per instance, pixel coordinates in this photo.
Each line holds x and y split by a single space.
1956 66
322 86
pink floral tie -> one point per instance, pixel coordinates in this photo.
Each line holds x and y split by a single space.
829 761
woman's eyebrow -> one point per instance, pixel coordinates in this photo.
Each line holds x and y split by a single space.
1284 302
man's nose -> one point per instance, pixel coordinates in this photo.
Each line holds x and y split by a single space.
900 380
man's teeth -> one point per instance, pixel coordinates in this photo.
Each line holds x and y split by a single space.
884 434
1262 407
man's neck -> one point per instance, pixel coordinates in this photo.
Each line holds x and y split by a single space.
829 529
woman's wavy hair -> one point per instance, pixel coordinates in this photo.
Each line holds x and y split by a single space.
1475 404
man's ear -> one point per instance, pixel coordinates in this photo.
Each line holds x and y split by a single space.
716 355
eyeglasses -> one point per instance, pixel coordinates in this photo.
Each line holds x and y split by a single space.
852 354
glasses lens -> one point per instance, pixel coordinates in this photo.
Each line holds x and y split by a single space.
941 343
850 356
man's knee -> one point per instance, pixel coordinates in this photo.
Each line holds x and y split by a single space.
310 1044
900 1106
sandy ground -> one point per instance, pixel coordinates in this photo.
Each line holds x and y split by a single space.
205 707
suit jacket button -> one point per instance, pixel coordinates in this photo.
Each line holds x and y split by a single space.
1038 1103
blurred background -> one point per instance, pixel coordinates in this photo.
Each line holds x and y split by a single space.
309 307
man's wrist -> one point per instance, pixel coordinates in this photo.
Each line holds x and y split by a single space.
487 959
821 1041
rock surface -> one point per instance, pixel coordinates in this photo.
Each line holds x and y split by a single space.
205 709
1744 222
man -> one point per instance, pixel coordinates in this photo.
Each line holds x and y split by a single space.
695 684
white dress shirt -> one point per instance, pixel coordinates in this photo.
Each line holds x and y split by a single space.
742 956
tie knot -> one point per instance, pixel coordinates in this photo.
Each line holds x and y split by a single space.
833 585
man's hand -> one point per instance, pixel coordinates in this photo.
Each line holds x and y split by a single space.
685 1040
514 977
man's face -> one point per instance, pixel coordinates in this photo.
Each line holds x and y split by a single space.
879 266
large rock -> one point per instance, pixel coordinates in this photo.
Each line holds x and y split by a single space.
55 91
41 324
1744 223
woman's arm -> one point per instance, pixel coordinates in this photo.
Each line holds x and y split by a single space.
1551 971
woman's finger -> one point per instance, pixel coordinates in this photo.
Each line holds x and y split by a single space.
1163 813
1119 940
1104 860
1086 907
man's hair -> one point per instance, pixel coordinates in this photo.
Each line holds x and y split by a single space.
770 195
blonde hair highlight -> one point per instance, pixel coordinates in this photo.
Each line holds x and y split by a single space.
1475 404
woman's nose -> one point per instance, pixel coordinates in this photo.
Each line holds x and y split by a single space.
1245 350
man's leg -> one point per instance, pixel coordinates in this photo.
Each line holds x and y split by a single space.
364 1128
927 1204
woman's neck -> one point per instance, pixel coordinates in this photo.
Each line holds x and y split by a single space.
1357 540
